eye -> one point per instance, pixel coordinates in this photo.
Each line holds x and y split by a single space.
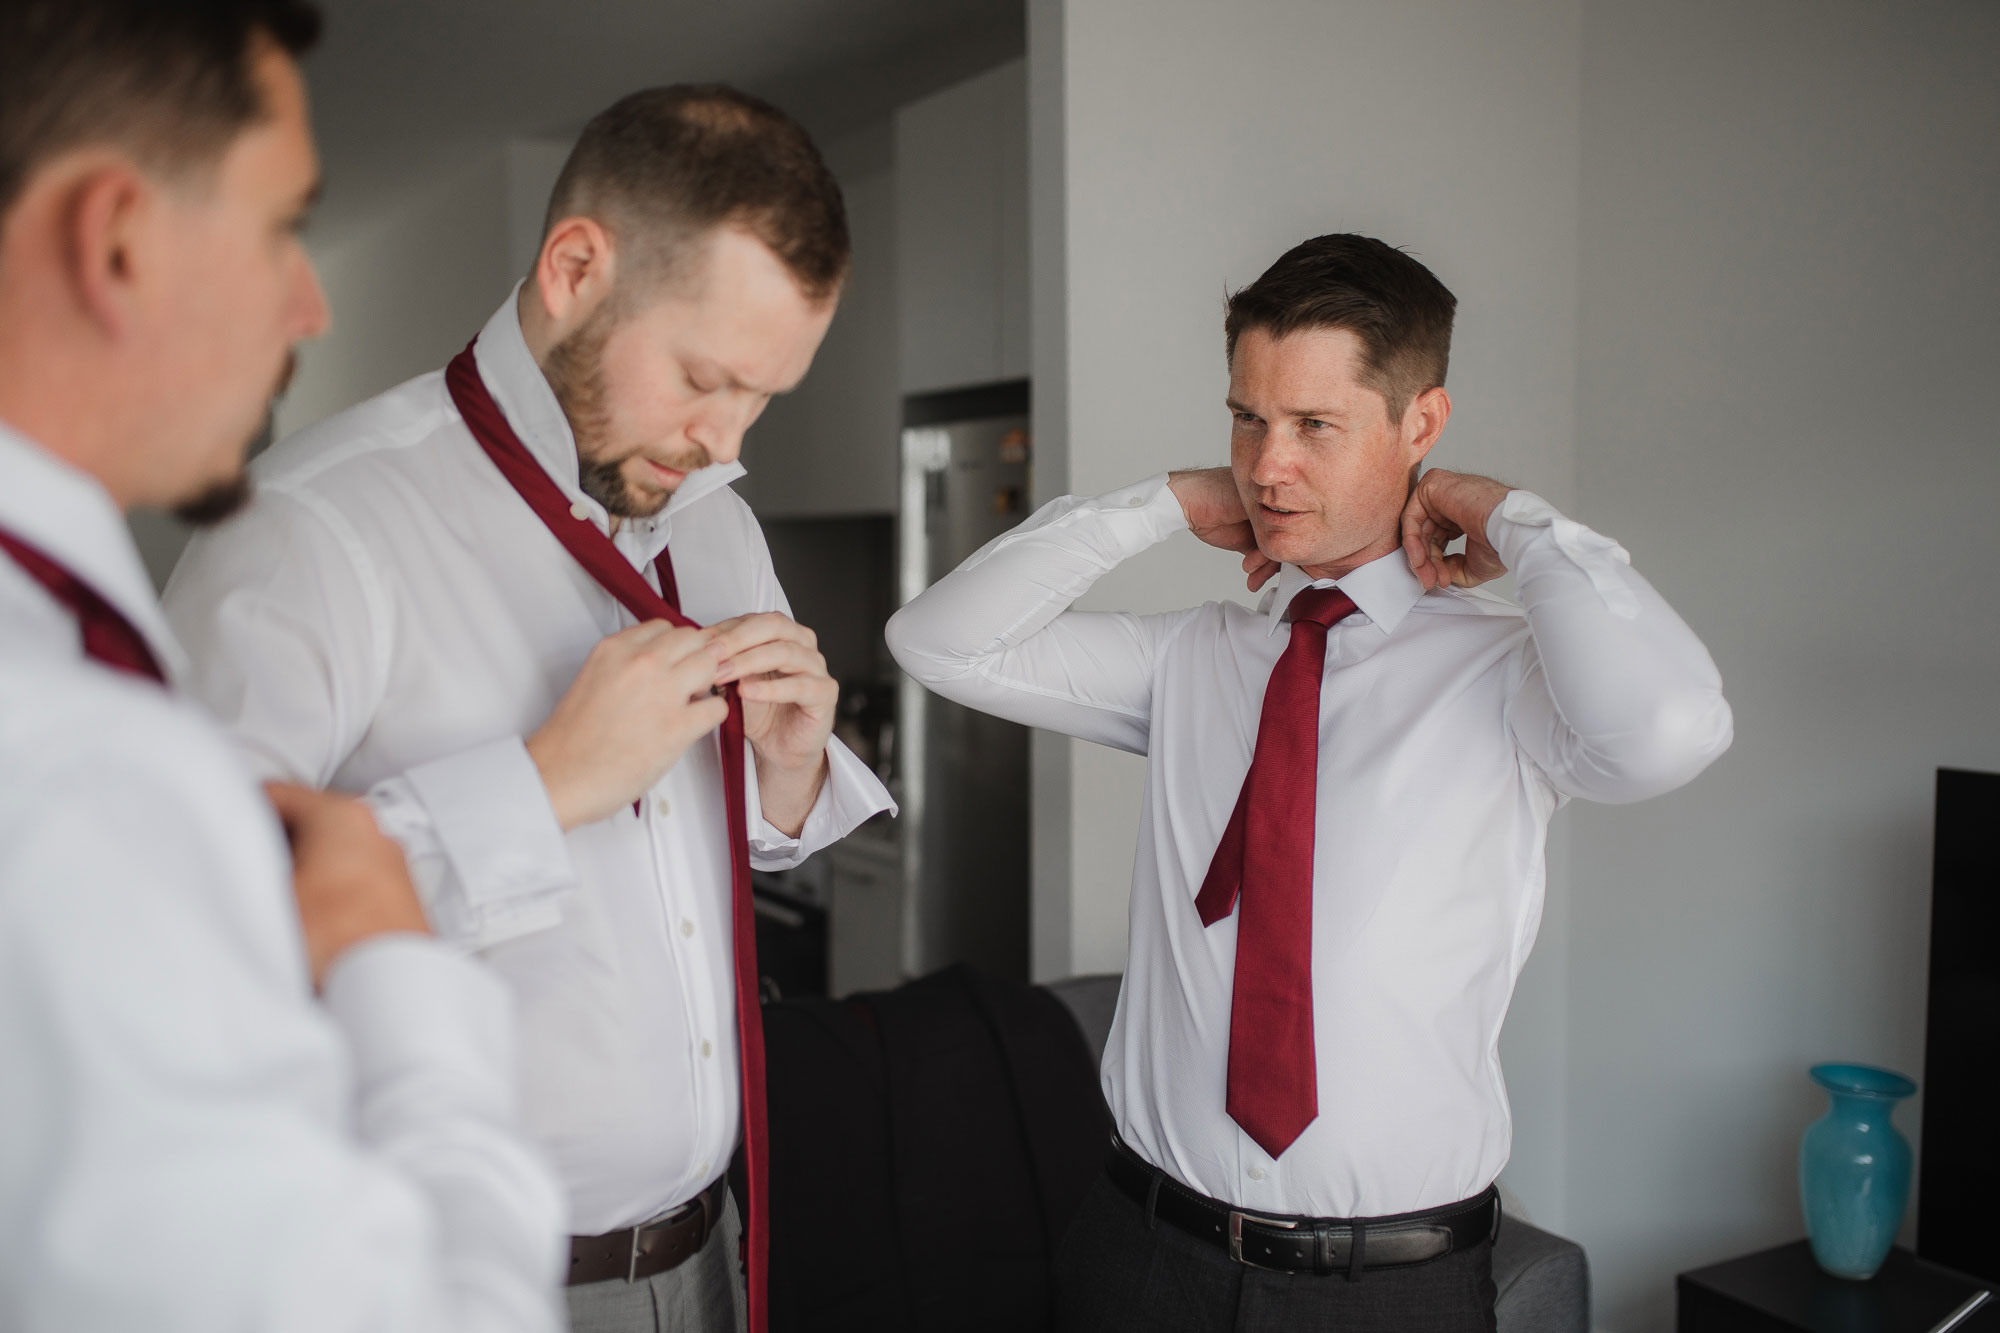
1245 418
1314 423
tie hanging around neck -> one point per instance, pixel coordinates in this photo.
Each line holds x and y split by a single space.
108 637
1263 871
617 576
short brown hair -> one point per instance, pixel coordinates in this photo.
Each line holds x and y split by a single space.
1395 305
669 164
170 83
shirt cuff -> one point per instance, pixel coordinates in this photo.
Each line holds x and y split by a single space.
492 825
411 1006
1525 521
1155 509
850 796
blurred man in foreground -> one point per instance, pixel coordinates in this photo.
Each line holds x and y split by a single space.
189 1140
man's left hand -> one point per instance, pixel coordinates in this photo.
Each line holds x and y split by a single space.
1445 506
789 702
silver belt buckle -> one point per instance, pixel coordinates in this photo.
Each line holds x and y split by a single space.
1236 1220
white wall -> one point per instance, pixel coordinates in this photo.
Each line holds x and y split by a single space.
831 446
1791 250
1197 143
407 291
412 288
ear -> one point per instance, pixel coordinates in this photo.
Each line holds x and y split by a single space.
575 271
104 243
1423 422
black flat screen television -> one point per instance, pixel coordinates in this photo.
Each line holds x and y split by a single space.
1958 1189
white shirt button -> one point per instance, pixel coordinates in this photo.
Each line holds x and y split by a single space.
707 1050
687 928
579 510
1256 1173
661 808
1137 502
701 1168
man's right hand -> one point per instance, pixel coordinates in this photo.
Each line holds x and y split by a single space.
1215 514
350 879
642 698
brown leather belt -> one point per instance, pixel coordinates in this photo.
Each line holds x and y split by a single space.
1320 1245
642 1251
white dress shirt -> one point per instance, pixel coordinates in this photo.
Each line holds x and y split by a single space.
1452 725
187 1140
390 617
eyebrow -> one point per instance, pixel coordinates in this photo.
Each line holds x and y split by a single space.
1318 414
729 379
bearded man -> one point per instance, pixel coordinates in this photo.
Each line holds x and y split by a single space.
511 600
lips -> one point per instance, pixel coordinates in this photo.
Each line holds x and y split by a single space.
666 475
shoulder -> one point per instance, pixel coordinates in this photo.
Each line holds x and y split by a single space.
1473 605
361 439
75 737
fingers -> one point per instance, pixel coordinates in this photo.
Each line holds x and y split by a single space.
291 801
746 632
807 691
704 716
1258 569
784 656
692 676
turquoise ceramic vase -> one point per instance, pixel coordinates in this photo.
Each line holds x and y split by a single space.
1854 1170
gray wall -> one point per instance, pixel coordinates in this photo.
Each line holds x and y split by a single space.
1727 276
1791 251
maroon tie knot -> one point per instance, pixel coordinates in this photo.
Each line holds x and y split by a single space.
1326 607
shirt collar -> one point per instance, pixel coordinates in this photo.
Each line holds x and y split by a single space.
529 404
1384 590
67 515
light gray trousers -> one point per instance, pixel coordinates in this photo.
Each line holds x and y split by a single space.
703 1295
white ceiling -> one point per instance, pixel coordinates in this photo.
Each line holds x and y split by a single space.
403 88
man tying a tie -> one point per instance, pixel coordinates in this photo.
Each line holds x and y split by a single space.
1340 862
511 601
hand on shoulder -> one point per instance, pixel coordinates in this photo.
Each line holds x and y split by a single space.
1443 507
1215 515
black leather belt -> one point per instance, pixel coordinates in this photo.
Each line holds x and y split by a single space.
1306 1244
642 1251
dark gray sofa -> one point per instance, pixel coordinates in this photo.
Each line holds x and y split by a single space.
1543 1279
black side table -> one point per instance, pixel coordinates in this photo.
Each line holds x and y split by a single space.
1783 1289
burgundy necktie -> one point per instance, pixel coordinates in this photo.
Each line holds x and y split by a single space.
108 637
605 563
1265 861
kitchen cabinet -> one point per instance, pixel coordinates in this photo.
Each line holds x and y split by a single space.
962 233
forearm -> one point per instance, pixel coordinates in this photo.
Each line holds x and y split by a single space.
432 1038
1628 703
997 634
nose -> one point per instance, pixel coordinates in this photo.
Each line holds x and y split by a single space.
720 429
1274 462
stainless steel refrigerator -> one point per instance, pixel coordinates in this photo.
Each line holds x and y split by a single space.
967 461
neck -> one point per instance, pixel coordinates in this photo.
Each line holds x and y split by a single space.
68 423
1347 564
537 329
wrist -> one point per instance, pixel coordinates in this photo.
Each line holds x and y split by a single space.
561 798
